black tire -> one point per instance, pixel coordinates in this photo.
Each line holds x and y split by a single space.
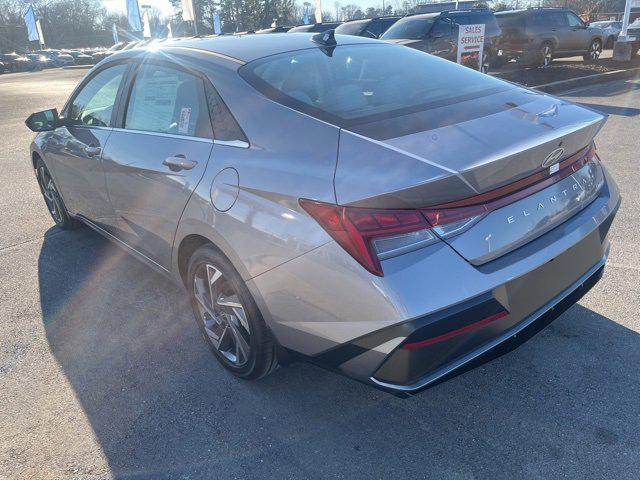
610 41
595 49
262 358
52 198
498 61
545 55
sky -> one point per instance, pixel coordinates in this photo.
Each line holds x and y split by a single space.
166 9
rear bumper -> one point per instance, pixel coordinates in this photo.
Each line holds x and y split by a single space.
324 306
507 339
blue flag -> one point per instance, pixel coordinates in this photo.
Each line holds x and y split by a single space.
216 24
114 30
133 15
30 21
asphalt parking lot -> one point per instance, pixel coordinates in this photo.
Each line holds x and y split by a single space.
103 373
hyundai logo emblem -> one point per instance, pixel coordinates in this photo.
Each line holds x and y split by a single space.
553 157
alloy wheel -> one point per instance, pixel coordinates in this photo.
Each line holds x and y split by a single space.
222 315
50 194
547 56
484 68
595 50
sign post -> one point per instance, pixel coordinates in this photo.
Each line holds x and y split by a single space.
623 48
471 45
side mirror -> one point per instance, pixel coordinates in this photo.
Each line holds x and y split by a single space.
43 121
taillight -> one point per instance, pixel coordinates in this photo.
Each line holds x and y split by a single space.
371 235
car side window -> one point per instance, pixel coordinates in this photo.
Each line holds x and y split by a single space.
442 28
573 20
168 100
93 105
373 30
225 126
558 19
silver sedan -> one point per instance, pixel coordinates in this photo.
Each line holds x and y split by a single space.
365 206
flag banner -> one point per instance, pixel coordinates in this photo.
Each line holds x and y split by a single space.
146 26
169 30
133 15
32 27
188 13
216 24
305 18
39 29
318 11
114 31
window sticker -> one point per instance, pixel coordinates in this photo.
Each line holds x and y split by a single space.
154 102
185 115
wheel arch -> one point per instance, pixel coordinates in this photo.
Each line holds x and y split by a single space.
198 236
190 236
35 156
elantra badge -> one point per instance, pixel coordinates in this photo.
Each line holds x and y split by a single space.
553 157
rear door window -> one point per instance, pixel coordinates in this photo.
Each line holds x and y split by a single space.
558 19
168 100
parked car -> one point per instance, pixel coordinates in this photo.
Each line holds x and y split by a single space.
314 27
40 62
80 58
371 208
57 57
16 63
369 27
3 69
97 56
437 33
280 29
611 30
633 31
536 36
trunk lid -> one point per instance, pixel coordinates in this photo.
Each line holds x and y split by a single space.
462 150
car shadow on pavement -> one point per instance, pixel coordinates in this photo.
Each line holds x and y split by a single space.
563 404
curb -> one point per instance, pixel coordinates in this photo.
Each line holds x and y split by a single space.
562 85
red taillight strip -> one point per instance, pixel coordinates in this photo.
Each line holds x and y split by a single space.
453 333
499 197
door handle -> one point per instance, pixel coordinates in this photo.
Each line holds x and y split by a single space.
92 151
179 162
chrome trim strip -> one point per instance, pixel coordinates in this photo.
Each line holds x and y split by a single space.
231 143
209 52
124 245
429 379
160 134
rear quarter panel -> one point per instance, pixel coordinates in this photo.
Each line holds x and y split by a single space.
291 156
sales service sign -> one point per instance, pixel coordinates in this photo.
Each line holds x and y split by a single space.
471 45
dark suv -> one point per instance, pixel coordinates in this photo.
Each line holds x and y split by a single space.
536 36
437 33
368 27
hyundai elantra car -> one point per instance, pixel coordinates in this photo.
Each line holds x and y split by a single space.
368 207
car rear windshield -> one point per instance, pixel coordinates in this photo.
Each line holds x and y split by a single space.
359 83
351 28
409 28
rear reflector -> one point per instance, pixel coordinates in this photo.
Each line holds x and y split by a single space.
453 333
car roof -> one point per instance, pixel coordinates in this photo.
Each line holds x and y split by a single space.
251 47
